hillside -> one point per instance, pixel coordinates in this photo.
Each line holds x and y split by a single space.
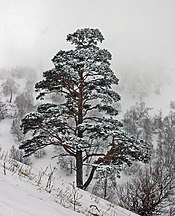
27 191
20 198
23 195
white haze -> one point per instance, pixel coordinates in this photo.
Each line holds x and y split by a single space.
139 34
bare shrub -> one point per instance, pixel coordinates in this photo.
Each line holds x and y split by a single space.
17 155
70 196
67 163
40 153
151 192
50 179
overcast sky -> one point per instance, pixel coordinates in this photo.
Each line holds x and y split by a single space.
140 34
135 31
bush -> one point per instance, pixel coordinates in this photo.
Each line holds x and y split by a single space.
40 153
17 154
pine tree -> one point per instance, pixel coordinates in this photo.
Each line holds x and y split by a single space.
84 122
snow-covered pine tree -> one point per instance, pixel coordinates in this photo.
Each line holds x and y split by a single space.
85 120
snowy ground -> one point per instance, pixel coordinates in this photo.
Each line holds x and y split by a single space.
20 198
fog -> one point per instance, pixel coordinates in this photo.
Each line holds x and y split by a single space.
139 33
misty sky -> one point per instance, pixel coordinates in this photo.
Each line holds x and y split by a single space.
135 31
140 34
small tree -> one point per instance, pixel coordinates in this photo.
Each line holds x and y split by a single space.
106 183
85 120
137 122
9 88
3 110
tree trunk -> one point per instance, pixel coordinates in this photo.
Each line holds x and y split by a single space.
98 161
79 153
88 181
79 169
105 185
11 94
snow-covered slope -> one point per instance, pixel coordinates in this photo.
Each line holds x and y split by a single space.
20 198
20 195
26 191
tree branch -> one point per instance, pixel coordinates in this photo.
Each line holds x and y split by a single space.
93 154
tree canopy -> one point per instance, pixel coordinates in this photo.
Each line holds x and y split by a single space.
83 122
